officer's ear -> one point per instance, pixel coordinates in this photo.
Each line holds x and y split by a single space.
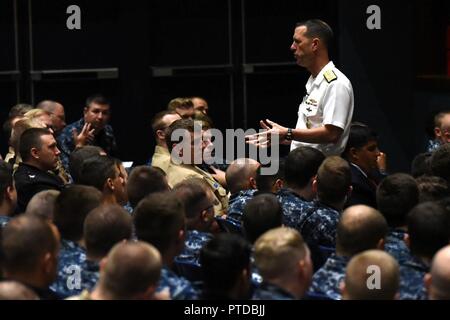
34 152
427 279
315 44
109 184
252 182
437 132
380 244
278 185
407 240
314 184
161 134
343 290
102 263
353 153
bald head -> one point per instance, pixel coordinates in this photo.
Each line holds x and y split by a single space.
12 290
360 228
438 284
130 270
57 114
241 174
371 275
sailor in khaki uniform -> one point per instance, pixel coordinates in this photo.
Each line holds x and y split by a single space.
184 144
160 122
325 114
177 173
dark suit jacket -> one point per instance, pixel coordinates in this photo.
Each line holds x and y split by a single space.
364 190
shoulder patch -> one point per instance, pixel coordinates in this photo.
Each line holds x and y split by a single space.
329 75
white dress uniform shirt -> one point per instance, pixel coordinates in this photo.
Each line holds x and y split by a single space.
329 101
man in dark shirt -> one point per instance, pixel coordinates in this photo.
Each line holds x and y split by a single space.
39 155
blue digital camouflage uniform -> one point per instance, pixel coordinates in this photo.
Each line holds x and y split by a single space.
128 208
90 273
318 225
411 280
195 240
179 287
104 139
4 220
256 278
268 291
237 203
433 145
396 246
70 263
293 207
326 281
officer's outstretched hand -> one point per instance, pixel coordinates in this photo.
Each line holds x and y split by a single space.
272 130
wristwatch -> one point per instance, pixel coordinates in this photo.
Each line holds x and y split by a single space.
289 134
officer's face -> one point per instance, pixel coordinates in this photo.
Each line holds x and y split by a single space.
302 47
48 154
97 115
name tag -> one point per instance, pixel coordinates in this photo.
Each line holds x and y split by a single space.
309 108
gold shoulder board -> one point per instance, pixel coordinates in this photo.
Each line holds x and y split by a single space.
329 75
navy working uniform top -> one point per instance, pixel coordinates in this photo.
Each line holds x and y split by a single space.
104 139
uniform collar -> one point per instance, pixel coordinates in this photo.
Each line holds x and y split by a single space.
318 80
162 150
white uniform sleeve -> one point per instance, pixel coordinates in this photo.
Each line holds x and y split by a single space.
337 106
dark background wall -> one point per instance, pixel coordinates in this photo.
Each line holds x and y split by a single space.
235 53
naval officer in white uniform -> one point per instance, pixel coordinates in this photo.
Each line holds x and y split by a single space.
325 114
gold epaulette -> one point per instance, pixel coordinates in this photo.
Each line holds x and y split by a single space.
329 75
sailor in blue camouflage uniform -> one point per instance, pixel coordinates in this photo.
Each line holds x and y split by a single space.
268 291
360 228
195 240
396 246
318 224
237 203
412 273
96 116
427 225
180 288
326 280
90 273
70 262
294 206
